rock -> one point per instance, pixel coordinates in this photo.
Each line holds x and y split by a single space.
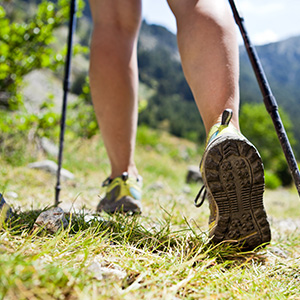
38 85
110 272
52 220
49 147
12 195
193 175
51 167
186 190
158 185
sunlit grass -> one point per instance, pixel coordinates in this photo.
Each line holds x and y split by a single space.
162 254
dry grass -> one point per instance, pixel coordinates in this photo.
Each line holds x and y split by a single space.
161 254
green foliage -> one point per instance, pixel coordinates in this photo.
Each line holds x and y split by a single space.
258 127
171 107
20 127
147 137
160 71
271 180
170 113
81 116
81 120
25 46
281 65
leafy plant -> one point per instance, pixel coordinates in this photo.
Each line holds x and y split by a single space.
20 127
26 45
258 127
272 181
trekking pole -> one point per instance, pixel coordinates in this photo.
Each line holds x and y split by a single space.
269 99
66 88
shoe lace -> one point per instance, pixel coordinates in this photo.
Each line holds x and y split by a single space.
108 180
201 194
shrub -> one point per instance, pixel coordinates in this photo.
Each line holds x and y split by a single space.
271 180
26 45
258 127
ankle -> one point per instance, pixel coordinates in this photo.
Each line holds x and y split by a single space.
131 170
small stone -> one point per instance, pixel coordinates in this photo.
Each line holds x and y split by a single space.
52 220
110 272
11 194
51 167
156 186
186 189
193 175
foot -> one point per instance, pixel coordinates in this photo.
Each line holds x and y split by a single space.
123 194
233 176
5 210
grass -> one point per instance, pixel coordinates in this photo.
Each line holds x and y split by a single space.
162 254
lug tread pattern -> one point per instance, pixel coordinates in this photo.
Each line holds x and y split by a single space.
233 173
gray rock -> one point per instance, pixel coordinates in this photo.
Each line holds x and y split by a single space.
52 220
11 194
193 175
51 167
49 147
38 85
112 271
158 185
186 190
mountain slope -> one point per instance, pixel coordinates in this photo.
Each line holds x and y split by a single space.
281 63
160 71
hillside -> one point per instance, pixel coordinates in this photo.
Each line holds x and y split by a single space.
170 101
281 62
165 253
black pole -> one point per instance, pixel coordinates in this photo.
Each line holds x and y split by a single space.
66 88
269 99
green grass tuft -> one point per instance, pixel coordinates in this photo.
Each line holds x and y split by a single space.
162 254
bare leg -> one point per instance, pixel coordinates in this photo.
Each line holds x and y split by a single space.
231 167
114 78
209 54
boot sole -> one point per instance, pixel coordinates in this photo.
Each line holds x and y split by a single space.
233 172
124 205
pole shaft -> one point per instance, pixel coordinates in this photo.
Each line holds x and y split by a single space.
66 88
269 99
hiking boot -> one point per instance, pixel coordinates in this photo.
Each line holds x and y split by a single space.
5 210
233 177
123 194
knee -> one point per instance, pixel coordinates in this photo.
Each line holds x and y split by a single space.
117 28
207 14
116 18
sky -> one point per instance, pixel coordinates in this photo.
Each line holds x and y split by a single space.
266 20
